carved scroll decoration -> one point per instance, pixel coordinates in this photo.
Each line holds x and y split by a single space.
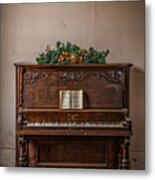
112 76
71 75
31 77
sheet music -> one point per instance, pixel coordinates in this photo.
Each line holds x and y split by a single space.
71 99
77 99
65 99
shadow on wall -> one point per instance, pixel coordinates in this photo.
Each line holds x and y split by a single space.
137 115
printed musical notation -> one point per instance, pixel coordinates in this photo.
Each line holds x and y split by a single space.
71 99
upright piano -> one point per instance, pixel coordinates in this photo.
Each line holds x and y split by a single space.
94 136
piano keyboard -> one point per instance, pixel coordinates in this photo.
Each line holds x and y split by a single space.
80 125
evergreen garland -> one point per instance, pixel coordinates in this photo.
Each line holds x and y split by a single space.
71 53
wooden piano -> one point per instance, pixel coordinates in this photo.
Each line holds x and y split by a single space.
96 136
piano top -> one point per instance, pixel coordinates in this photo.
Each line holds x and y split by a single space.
108 65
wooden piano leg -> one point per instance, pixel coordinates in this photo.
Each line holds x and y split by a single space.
120 157
125 153
22 151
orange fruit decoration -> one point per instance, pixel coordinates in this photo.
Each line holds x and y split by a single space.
74 58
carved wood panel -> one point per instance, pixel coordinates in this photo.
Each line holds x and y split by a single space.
112 76
101 88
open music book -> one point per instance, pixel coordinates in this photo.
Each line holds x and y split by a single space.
71 99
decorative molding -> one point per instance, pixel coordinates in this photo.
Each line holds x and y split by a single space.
71 75
112 76
31 77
